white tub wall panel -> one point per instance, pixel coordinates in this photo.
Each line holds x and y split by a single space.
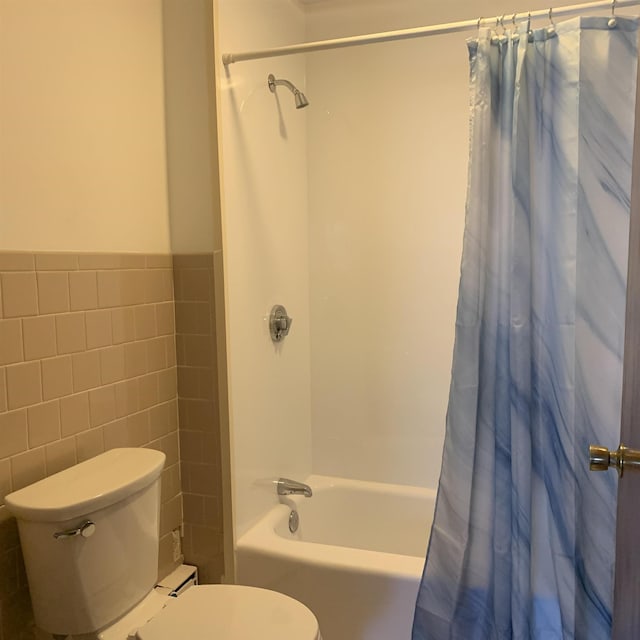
387 153
265 250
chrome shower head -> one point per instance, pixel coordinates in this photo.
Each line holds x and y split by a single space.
300 98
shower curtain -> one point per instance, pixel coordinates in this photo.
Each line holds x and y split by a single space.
523 541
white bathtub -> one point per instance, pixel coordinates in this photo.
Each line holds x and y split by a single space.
355 561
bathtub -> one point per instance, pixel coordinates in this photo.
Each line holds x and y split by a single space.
355 560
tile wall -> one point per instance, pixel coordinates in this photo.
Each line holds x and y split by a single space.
198 411
88 363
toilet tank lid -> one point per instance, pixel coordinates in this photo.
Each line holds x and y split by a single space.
87 487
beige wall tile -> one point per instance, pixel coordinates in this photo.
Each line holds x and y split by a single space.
193 317
191 260
170 482
154 286
145 322
27 468
198 351
159 261
86 370
89 444
24 385
148 390
16 261
111 288
5 479
191 446
156 354
13 433
43 423
171 515
74 414
99 330
112 364
100 261
138 428
39 335
11 341
3 389
194 285
201 415
159 285
193 508
173 414
116 434
127 398
170 343
123 325
57 261
165 318
200 478
188 382
133 260
71 333
53 292
169 446
60 455
167 384
19 294
213 511
83 290
57 378
166 563
135 359
102 405
136 286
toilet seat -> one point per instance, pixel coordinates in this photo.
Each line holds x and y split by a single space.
232 612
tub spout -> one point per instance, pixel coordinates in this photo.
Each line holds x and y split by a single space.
288 487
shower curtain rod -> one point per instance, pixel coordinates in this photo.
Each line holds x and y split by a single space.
419 32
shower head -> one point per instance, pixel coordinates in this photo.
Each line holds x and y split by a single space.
300 98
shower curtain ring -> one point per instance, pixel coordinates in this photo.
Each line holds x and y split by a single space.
529 32
515 36
480 19
612 21
551 30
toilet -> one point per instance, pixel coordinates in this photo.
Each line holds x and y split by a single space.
90 537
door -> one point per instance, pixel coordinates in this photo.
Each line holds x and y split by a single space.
626 616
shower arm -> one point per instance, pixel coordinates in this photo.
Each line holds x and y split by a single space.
273 83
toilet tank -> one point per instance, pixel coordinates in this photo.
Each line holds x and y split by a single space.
81 583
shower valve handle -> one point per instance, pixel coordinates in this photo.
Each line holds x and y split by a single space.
279 323
601 459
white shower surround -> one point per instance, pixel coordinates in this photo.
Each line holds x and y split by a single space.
353 220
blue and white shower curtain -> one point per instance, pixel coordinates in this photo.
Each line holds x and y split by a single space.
523 541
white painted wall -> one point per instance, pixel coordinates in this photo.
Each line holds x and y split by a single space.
82 142
265 253
193 185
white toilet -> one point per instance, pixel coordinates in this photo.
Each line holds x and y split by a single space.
89 536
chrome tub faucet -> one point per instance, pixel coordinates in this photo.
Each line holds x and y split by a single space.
286 487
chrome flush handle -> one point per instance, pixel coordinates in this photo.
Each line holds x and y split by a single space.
86 530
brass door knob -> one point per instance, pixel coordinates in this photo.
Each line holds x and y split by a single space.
601 459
